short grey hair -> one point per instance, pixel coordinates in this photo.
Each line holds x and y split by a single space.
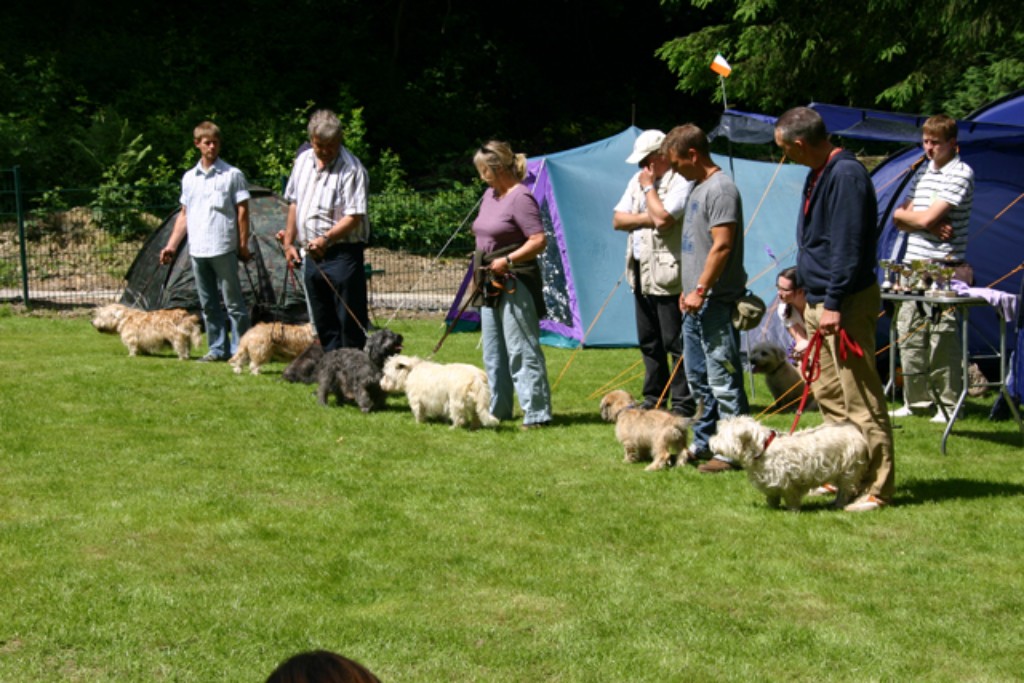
802 123
324 125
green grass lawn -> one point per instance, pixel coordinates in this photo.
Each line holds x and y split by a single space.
164 520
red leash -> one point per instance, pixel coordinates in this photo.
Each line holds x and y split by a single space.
810 365
847 345
810 371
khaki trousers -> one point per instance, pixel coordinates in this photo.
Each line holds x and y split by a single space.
850 390
930 355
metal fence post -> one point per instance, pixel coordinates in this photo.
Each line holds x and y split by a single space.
21 236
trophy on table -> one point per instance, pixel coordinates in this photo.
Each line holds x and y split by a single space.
919 277
946 272
933 276
887 267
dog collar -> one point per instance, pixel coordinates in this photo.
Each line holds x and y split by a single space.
768 441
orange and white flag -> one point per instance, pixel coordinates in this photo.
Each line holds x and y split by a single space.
720 66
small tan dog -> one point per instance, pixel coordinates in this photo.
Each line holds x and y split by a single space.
147 332
655 434
784 467
457 391
783 380
264 342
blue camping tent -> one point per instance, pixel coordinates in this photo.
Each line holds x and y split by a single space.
588 299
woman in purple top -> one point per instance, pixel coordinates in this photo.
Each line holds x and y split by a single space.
510 236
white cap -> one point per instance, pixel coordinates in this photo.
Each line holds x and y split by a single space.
649 141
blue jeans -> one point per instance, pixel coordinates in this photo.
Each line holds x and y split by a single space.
711 349
216 278
513 357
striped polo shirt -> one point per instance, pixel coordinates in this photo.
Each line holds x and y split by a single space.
210 197
954 184
323 196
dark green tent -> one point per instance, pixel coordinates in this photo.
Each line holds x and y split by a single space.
273 293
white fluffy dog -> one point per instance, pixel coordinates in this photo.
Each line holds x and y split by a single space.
456 391
786 466
148 332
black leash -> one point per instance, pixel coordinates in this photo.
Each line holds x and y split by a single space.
478 282
337 295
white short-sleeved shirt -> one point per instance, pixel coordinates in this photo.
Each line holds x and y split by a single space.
672 188
795 317
211 197
323 196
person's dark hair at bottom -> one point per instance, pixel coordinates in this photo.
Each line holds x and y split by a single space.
321 666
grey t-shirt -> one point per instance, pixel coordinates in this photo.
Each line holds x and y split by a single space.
714 202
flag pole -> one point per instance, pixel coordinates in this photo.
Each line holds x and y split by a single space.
725 108
721 67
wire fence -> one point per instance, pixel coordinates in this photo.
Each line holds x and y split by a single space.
60 249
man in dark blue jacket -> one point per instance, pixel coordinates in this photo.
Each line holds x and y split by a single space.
837 239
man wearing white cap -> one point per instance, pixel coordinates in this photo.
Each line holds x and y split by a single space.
651 211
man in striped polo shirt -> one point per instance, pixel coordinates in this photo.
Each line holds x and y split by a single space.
327 200
935 218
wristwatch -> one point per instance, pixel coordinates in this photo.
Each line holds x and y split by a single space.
509 260
647 189
701 290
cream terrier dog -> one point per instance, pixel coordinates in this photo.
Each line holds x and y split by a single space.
785 467
267 341
147 332
655 434
456 391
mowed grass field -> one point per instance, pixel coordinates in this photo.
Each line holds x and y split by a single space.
171 521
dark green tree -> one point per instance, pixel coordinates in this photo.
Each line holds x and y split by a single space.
928 56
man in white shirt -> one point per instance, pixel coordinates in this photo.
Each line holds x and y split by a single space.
651 212
215 215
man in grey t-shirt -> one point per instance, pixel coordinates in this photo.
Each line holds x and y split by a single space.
713 279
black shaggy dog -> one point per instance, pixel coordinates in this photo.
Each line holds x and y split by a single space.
354 375
304 368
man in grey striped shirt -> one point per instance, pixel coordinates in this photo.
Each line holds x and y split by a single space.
327 199
935 218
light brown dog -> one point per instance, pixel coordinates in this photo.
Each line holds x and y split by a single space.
655 434
148 332
783 380
264 342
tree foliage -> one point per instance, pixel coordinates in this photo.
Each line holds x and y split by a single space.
928 56
432 78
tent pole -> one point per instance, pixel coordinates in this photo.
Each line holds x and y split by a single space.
746 342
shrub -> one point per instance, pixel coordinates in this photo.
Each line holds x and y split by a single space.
424 222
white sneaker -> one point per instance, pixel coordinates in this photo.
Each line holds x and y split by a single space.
865 504
823 490
903 411
939 418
